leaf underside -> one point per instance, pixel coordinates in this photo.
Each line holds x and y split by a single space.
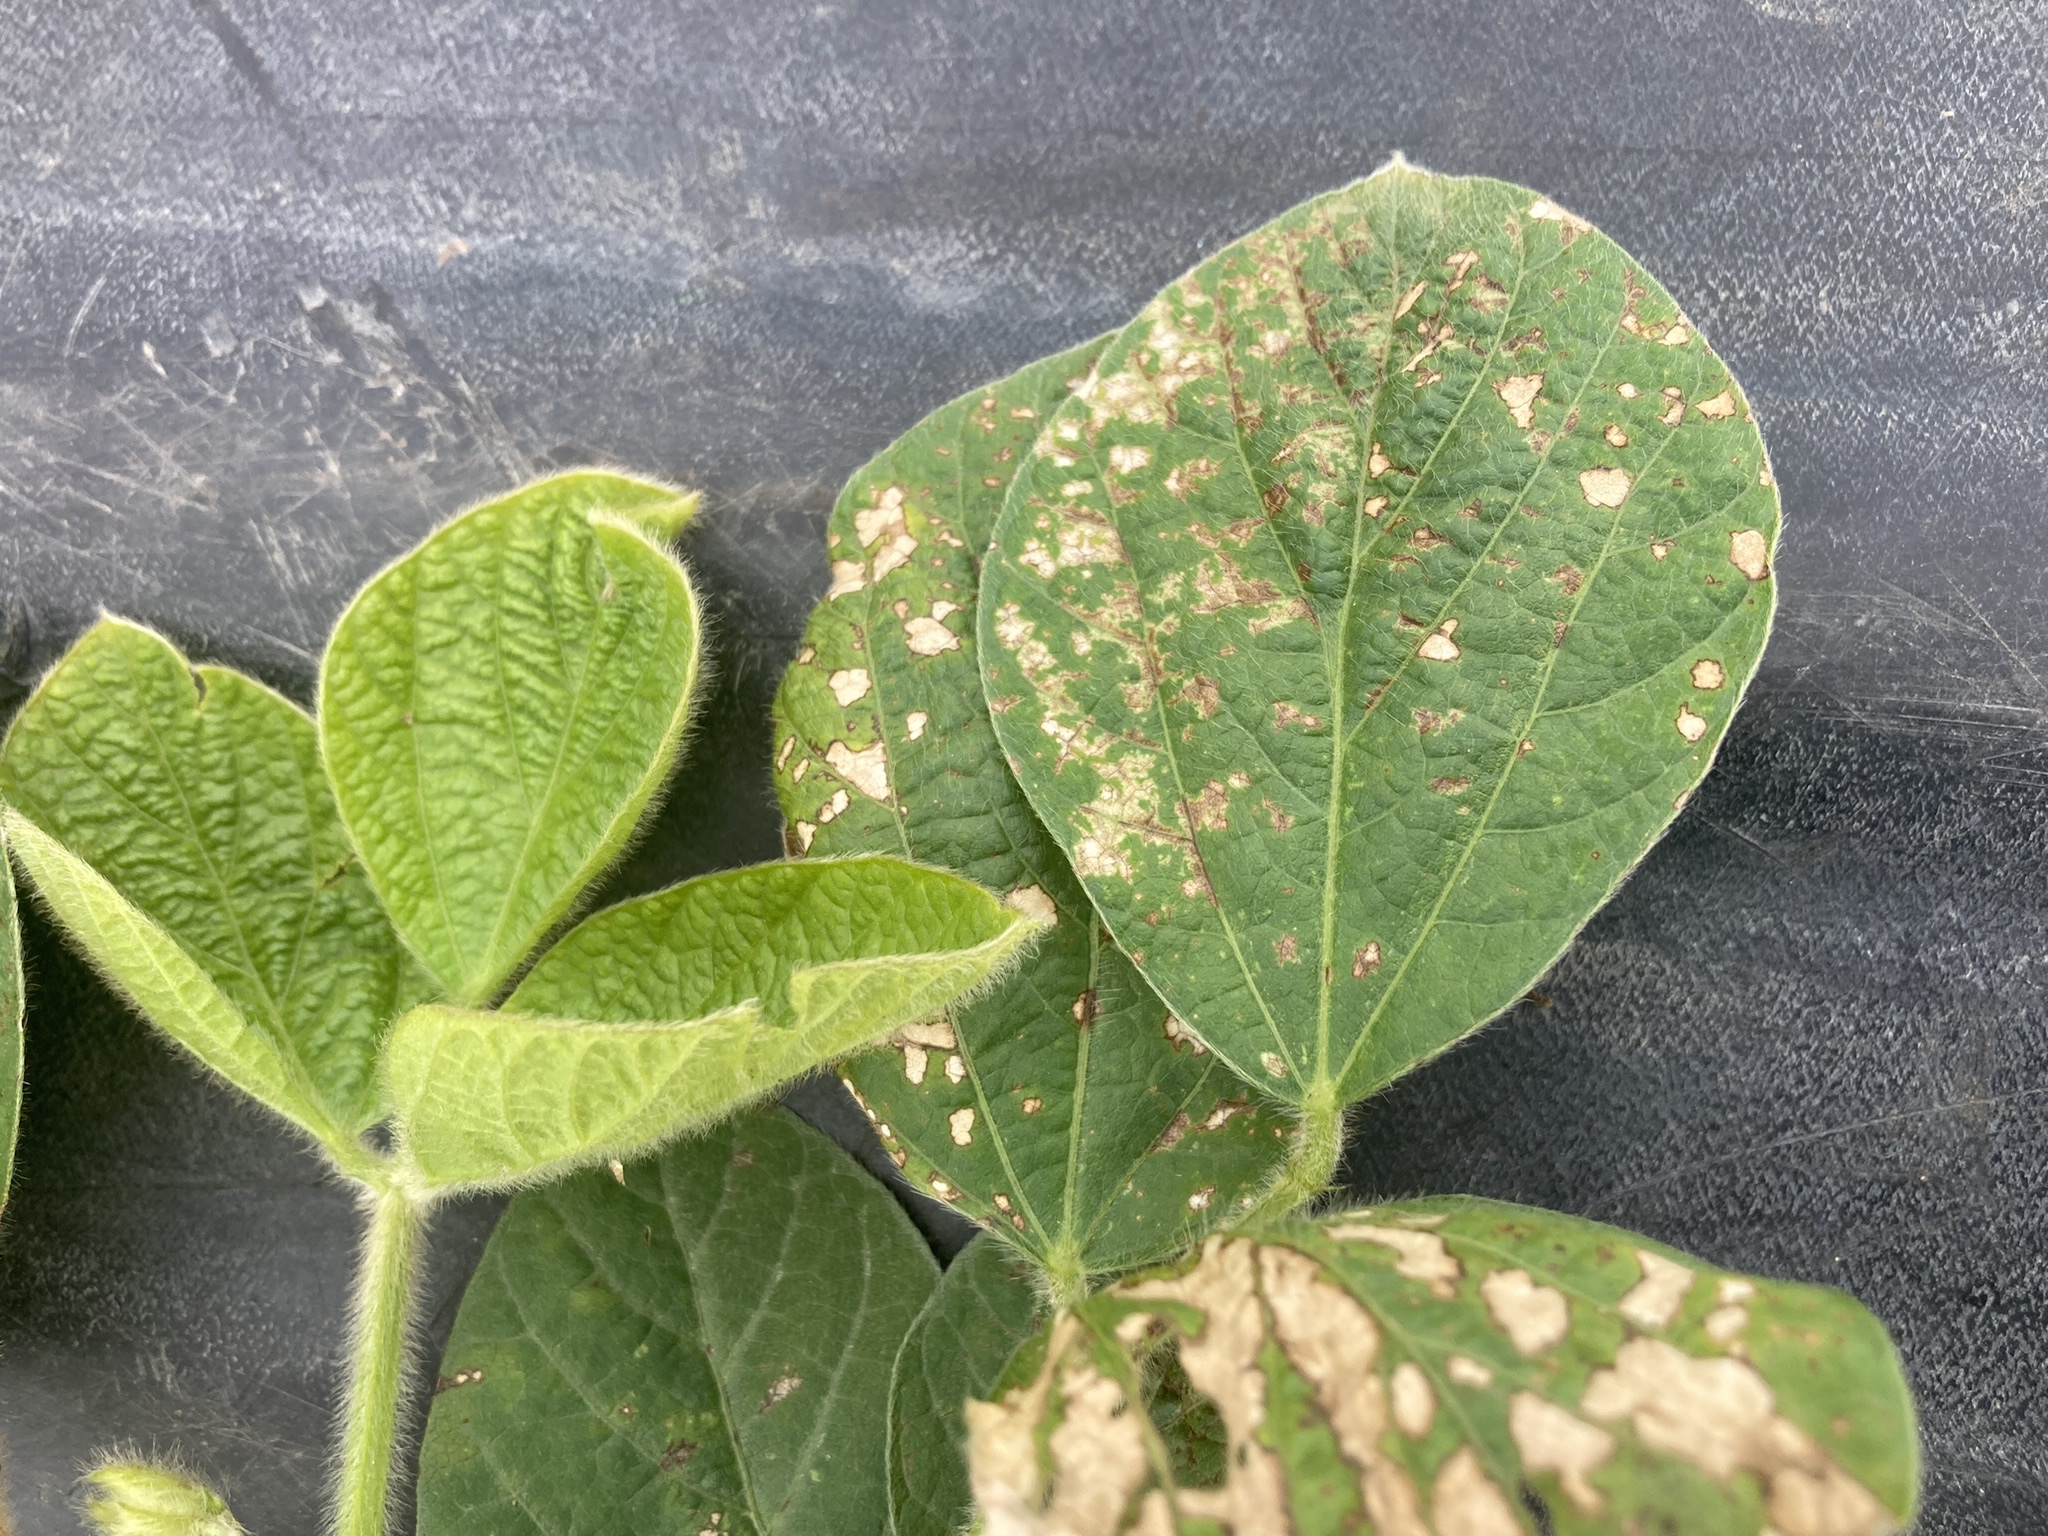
699 1347
1056 1108
1371 609
197 799
665 1012
1452 1366
985 1307
498 708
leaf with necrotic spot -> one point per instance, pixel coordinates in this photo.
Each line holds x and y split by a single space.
1057 1110
701 1344
177 822
985 1306
1369 612
1448 1368
498 708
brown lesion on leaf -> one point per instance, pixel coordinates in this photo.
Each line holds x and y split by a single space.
1750 553
1655 1299
1534 1317
1281 821
1674 405
1717 407
1420 1256
1438 644
1551 1439
1287 949
1570 578
1285 715
1365 960
1660 548
1519 392
1604 486
1691 726
1426 538
1429 721
1449 786
1708 674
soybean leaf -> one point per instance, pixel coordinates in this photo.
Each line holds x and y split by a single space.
1461 1366
177 822
1371 610
985 1307
702 1344
11 997
1057 1108
498 707
665 1012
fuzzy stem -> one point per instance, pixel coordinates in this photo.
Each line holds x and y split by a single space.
1313 1153
1066 1277
378 1320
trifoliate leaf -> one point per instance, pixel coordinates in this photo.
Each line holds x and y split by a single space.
1371 609
985 1306
1060 1109
1459 1368
663 1013
701 1343
161 807
498 708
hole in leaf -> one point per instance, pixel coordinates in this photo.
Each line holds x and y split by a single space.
1187 1420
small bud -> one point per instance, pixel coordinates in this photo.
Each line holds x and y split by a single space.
134 1498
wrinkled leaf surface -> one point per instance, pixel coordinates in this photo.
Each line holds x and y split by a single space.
668 1011
193 803
498 708
1423 1369
1370 611
703 1346
1057 1109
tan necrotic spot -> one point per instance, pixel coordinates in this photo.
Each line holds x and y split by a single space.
1467 1372
1604 486
805 832
847 576
1438 644
1032 901
849 685
1199 1200
914 724
1365 961
1750 553
1518 393
956 1069
834 808
928 636
1708 674
960 1126
1627 391
1660 548
1655 1299
1413 1398
782 756
1724 1325
1674 405
1274 1065
1543 210
1534 1317
937 1034
1551 1439
1466 1502
867 769
1408 300
1377 463
1717 407
914 1059
1178 1035
1032 1106
1616 438
1691 726
1417 1255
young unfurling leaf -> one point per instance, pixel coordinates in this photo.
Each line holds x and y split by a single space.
663 1013
1457 1366
498 708
1371 609
1061 1109
701 1343
177 822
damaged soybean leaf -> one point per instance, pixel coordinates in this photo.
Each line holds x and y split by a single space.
1458 1368
986 1305
1370 610
700 1343
177 822
498 708
1057 1109
665 1012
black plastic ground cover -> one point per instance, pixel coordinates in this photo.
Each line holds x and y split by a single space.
282 284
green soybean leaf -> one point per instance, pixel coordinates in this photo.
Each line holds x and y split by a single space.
498 708
177 822
1371 610
986 1305
1462 1368
701 1344
665 1012
11 997
1058 1108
